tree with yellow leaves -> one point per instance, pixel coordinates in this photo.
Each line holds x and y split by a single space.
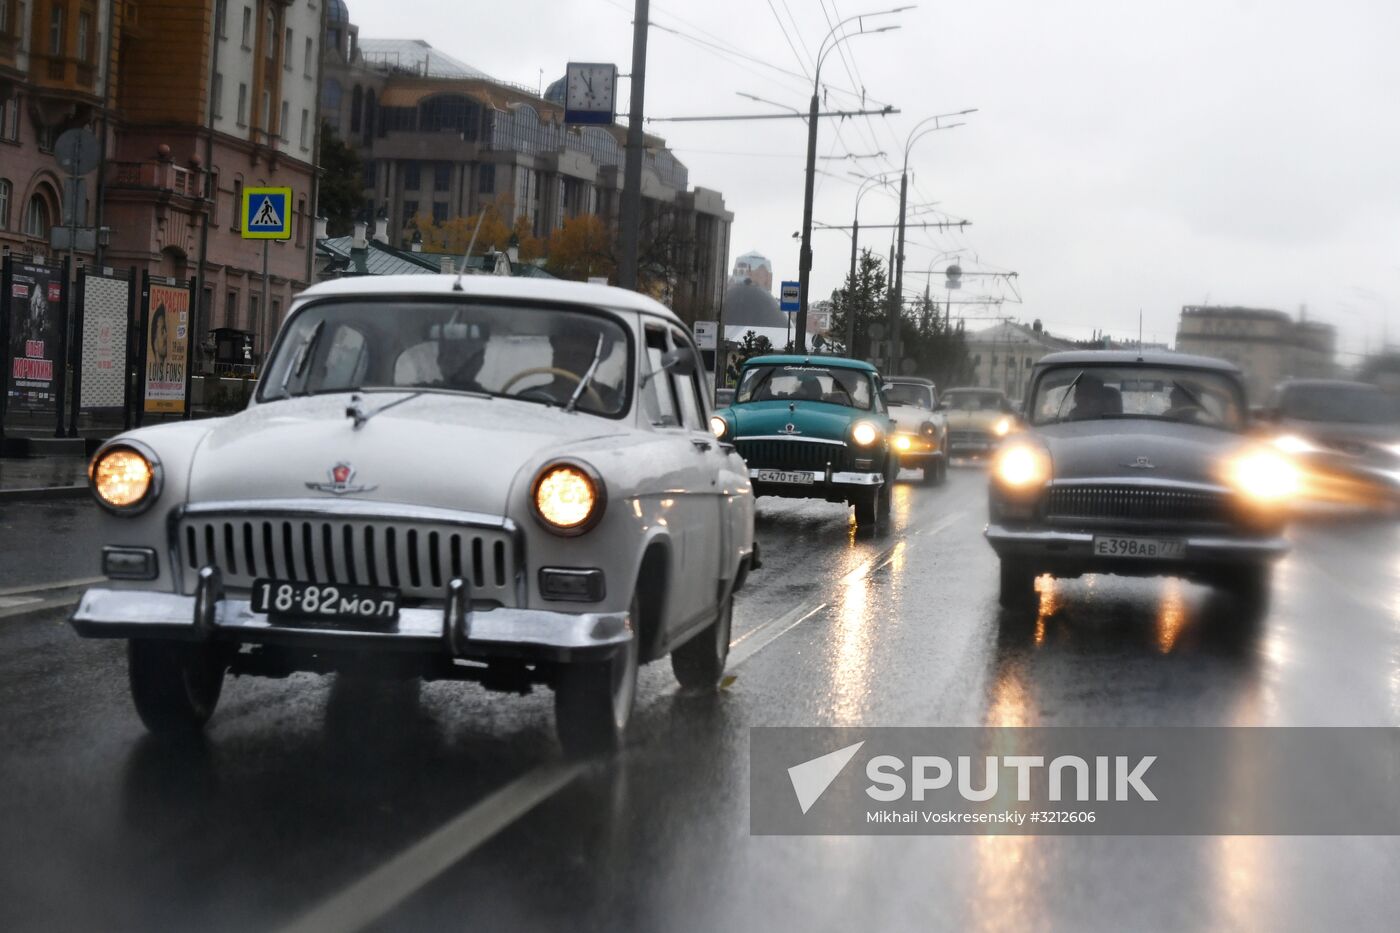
582 248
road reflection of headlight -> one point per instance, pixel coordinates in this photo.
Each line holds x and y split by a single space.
1022 466
1293 444
1264 476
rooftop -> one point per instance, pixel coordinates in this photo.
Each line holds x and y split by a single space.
417 56
838 362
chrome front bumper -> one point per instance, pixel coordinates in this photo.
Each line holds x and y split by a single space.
1078 546
821 478
452 630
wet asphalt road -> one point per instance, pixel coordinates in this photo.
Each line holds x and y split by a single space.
307 785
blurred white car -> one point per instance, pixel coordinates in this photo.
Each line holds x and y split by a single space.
501 480
921 428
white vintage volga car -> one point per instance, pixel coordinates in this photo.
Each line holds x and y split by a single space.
501 480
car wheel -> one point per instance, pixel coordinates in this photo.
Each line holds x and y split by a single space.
175 685
1249 588
593 700
699 663
931 477
866 502
1017 584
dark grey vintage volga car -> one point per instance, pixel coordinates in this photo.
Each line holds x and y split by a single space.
1137 464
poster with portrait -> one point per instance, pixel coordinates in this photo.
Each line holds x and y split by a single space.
105 315
34 356
167 334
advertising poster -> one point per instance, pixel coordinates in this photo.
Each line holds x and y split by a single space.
167 348
36 327
104 342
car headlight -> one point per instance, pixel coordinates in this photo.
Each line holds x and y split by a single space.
1002 427
902 442
865 433
1263 475
1293 444
928 429
125 478
568 498
719 426
1022 467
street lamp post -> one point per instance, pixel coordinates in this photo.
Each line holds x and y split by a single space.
897 280
804 262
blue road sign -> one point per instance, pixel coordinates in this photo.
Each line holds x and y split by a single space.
267 213
790 297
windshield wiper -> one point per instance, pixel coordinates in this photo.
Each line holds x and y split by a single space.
1065 398
303 358
588 376
360 416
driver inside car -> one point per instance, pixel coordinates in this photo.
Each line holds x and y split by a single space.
573 353
460 359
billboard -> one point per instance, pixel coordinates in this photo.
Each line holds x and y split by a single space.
103 367
167 336
36 333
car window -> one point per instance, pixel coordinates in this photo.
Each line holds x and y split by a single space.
1085 393
687 391
849 387
974 401
544 354
909 393
658 395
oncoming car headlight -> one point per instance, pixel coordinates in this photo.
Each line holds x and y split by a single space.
865 433
567 498
125 478
1022 467
1002 427
718 426
902 442
1263 475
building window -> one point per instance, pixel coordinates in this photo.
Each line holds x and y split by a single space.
9 118
305 130
309 68
410 212
231 309
36 217
248 28
442 176
85 36
287 52
221 17
266 124
5 189
411 176
56 30
4 17
439 212
237 223
270 38
286 118
357 103
254 324
368 179
218 94
486 178
45 138
242 104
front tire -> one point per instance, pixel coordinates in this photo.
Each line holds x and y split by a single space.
1017 589
174 685
1249 589
699 663
593 700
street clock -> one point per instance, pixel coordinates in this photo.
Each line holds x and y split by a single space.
591 93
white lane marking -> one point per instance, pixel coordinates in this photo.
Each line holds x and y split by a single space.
375 894
45 587
384 888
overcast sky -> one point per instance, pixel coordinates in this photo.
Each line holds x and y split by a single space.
1125 156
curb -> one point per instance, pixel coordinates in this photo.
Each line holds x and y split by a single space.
43 492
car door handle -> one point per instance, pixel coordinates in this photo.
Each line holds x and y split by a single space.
700 445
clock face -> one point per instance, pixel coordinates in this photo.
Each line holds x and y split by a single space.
591 87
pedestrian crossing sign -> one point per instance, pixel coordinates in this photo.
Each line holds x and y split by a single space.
267 214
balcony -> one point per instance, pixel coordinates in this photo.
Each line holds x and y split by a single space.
156 176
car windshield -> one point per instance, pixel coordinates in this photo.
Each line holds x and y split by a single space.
974 401
849 387
909 393
1350 404
541 354
1189 396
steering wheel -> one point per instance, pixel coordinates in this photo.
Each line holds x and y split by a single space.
594 398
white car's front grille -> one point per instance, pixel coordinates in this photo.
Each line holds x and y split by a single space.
418 558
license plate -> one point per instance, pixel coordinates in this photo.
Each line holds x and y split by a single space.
783 476
325 601
1139 547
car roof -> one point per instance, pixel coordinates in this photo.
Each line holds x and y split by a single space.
838 362
1145 357
909 380
985 390
493 286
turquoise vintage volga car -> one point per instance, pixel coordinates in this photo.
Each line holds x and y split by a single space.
814 427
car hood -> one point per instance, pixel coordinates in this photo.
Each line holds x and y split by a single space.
911 417
961 419
1141 450
808 419
448 451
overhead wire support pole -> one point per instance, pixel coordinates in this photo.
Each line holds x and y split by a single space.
632 173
